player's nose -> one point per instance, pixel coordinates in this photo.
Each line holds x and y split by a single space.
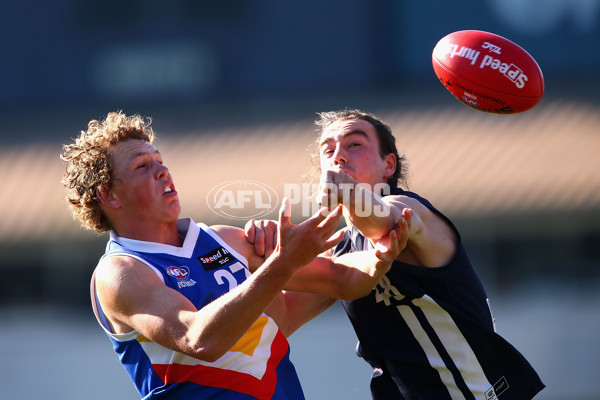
339 156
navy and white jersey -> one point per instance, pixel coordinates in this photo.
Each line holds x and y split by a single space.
203 269
429 332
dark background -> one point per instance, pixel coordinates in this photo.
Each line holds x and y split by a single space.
72 54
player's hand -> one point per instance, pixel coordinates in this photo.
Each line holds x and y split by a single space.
301 243
389 247
336 187
262 233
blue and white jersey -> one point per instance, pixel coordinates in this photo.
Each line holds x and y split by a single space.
203 269
429 332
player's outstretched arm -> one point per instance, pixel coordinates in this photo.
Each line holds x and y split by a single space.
350 276
353 275
299 243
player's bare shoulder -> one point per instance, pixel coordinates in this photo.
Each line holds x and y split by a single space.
236 238
432 241
119 275
120 283
114 267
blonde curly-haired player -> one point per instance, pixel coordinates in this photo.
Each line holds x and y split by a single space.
192 311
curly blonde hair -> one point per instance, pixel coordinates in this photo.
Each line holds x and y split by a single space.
88 164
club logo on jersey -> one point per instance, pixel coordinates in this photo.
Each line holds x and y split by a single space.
179 272
217 258
182 273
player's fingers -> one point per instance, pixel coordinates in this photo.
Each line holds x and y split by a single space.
335 239
285 213
393 248
384 245
325 195
325 219
402 232
407 214
259 241
270 230
331 220
329 191
250 231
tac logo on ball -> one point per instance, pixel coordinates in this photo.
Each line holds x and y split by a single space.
488 72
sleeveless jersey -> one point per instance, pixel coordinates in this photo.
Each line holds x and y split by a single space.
429 332
204 268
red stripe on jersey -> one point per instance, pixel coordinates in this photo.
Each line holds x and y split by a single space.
262 389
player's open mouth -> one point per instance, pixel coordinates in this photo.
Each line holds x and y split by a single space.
169 189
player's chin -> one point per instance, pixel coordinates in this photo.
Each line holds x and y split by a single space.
174 207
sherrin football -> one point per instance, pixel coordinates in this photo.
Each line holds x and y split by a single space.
488 72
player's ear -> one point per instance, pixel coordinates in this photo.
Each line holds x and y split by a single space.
389 164
107 196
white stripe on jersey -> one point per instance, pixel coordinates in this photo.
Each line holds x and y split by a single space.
454 343
430 351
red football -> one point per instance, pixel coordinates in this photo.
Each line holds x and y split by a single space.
488 72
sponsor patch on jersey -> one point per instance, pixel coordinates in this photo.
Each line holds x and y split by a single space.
217 258
496 390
